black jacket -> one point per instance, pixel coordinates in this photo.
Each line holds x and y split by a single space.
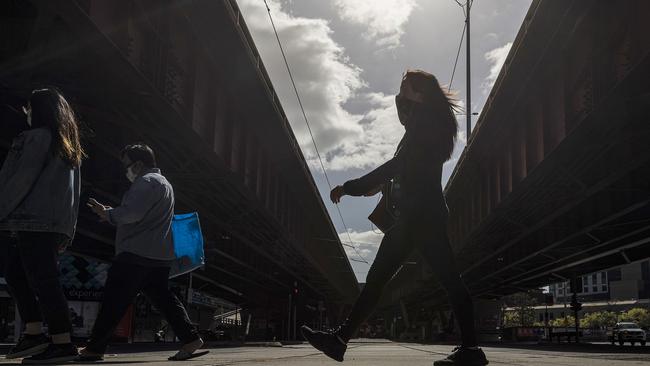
418 166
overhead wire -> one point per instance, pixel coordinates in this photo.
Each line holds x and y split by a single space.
313 140
460 45
467 3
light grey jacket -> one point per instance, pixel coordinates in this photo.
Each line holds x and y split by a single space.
144 218
38 190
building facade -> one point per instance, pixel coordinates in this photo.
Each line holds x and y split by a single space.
628 282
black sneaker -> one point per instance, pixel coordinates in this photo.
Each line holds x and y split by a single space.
55 353
465 357
29 345
328 343
86 355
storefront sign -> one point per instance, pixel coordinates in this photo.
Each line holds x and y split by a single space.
82 279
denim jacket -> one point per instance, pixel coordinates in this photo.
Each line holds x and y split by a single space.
38 190
144 218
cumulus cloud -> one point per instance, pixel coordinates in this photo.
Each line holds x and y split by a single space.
365 242
496 58
378 139
324 76
383 20
326 81
448 167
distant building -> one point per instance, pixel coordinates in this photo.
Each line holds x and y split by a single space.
628 282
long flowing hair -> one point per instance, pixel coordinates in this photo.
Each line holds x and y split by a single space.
52 111
441 107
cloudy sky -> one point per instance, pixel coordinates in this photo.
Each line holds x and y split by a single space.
347 58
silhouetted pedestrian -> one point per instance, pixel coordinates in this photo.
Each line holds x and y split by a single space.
39 202
417 205
144 255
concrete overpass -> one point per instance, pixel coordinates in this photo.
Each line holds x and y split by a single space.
555 179
186 78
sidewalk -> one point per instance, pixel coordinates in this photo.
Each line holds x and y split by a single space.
386 353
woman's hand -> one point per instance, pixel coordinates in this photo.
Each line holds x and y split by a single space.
336 194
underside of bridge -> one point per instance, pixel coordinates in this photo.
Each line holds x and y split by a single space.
185 78
555 180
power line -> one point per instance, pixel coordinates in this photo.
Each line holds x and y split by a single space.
462 35
295 89
460 44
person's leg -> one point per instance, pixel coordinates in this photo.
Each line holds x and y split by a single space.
433 243
156 288
39 256
434 246
393 251
20 289
122 285
33 340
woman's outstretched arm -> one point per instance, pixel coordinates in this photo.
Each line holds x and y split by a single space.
370 181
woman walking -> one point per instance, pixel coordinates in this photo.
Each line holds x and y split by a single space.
39 201
418 205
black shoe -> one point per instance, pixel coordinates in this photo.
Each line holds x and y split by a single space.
29 345
328 343
465 357
86 355
55 353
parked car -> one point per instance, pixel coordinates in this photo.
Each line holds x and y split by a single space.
627 332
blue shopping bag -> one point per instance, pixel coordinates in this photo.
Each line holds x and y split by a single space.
188 244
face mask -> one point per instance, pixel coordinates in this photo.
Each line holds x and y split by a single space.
406 100
130 175
404 109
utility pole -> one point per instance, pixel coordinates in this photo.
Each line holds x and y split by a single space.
468 106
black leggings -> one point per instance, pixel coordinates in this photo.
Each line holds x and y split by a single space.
428 234
32 275
124 282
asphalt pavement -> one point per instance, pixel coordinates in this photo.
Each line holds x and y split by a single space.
382 353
